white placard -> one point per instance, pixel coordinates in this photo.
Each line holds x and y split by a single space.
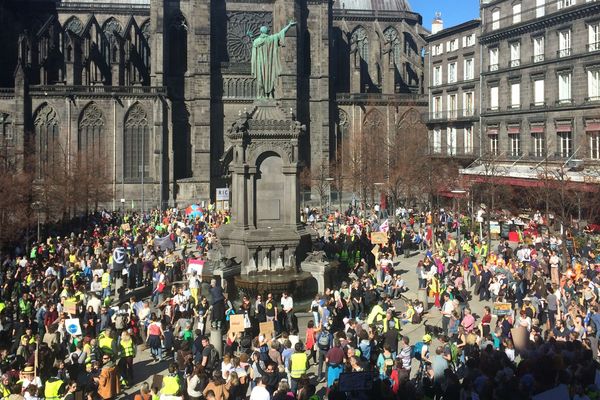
72 326
222 194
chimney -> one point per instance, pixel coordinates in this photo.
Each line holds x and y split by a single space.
437 24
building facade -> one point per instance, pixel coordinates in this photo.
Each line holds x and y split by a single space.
148 88
453 64
536 92
540 80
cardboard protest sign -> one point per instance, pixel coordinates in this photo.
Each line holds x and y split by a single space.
520 337
267 329
379 238
195 265
70 306
375 250
502 308
236 323
126 227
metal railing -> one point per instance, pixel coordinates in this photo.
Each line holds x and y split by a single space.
514 63
538 58
564 52
453 151
493 67
80 89
593 47
450 115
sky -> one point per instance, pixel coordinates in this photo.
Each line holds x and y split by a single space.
454 12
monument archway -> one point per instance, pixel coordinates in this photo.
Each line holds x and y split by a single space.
270 183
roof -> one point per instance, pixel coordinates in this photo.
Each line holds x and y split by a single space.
474 23
376 5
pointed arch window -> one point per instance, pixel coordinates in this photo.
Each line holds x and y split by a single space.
136 144
47 140
91 134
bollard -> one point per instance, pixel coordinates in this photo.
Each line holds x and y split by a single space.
216 339
422 297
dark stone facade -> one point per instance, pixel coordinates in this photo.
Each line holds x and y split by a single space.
156 83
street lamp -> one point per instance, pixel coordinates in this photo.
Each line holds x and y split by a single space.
378 185
329 180
458 192
37 206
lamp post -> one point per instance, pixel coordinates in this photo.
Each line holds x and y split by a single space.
36 206
378 185
458 192
329 180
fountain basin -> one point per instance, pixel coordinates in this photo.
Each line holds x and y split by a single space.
300 285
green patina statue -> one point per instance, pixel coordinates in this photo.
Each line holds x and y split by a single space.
265 60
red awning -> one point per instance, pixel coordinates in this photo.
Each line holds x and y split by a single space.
525 182
537 129
514 129
592 127
493 131
563 128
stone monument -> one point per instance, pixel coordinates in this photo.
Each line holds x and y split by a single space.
265 235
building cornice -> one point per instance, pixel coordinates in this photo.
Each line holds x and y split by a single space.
538 24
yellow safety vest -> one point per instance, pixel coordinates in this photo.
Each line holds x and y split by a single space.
4 390
298 365
170 386
105 280
52 389
88 350
128 348
105 344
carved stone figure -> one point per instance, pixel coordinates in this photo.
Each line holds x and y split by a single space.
266 66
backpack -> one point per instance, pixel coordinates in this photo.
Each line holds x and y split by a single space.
323 341
213 360
417 349
416 318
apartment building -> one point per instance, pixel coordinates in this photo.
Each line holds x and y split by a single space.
453 63
536 93
541 79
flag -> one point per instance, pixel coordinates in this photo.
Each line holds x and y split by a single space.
119 259
385 226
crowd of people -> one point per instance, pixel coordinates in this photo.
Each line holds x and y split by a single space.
67 333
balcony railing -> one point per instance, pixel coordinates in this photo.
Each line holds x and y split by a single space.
593 47
77 89
493 67
538 104
536 155
451 115
564 102
592 99
453 151
537 58
563 52
514 63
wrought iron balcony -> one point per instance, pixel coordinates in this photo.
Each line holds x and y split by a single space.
452 115
563 52
538 58
593 47
514 63
493 67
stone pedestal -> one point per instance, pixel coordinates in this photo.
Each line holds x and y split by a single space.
265 233
216 339
320 271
